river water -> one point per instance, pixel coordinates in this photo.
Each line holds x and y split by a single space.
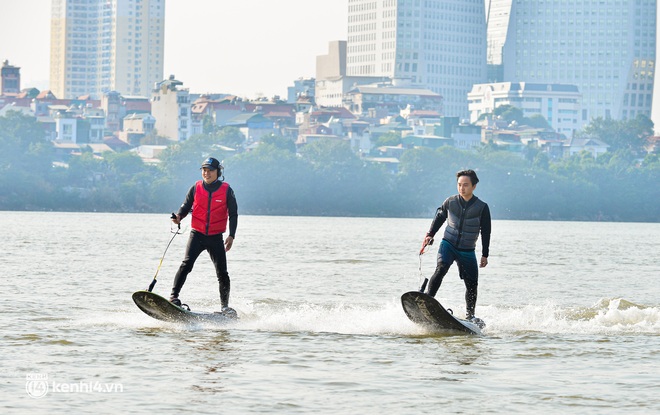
572 312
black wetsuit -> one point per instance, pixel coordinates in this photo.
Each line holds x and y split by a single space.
465 220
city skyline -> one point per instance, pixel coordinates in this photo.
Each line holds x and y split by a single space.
286 47
110 45
439 44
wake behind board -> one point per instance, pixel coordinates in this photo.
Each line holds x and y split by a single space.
162 309
427 311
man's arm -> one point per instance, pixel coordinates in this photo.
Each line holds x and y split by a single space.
438 220
232 210
485 233
186 206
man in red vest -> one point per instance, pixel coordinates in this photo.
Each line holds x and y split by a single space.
213 204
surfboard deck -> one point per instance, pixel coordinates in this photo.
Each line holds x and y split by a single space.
162 309
427 311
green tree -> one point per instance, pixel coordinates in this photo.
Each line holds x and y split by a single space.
329 154
208 125
181 161
230 137
387 139
154 139
271 180
537 121
509 113
283 143
127 164
624 134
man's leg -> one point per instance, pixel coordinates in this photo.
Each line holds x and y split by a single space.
218 255
445 259
193 249
469 272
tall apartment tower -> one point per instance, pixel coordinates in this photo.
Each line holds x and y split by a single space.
436 44
605 47
106 45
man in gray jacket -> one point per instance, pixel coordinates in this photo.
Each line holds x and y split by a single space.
466 216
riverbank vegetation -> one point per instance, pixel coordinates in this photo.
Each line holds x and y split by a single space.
327 178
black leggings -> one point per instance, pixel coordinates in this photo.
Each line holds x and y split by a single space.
468 270
197 243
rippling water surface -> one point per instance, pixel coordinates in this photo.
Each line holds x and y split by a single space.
572 311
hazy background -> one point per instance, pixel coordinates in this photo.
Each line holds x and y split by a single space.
210 45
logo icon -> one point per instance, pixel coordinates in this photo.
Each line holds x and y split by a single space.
36 385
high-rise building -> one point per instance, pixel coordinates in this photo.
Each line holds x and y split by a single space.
655 110
497 23
106 45
10 79
436 44
605 47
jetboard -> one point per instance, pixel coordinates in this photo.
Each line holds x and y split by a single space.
427 311
162 309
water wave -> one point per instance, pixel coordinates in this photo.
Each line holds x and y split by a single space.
607 316
611 316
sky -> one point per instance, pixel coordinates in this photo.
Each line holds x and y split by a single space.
250 48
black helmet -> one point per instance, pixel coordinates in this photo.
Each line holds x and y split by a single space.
211 163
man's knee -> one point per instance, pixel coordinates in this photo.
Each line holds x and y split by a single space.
223 277
442 268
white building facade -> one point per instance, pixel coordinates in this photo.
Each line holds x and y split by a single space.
605 47
559 104
436 44
171 107
104 45
331 80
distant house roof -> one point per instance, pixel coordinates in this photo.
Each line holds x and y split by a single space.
47 94
170 83
587 142
265 107
98 148
28 93
66 145
337 112
115 143
134 98
136 104
199 107
278 114
12 107
245 118
431 141
380 90
393 126
59 107
392 160
425 114
139 116
309 138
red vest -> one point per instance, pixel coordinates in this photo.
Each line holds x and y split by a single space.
209 213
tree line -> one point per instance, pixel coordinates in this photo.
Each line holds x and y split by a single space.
327 178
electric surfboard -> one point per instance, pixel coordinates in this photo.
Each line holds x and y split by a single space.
162 309
428 312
